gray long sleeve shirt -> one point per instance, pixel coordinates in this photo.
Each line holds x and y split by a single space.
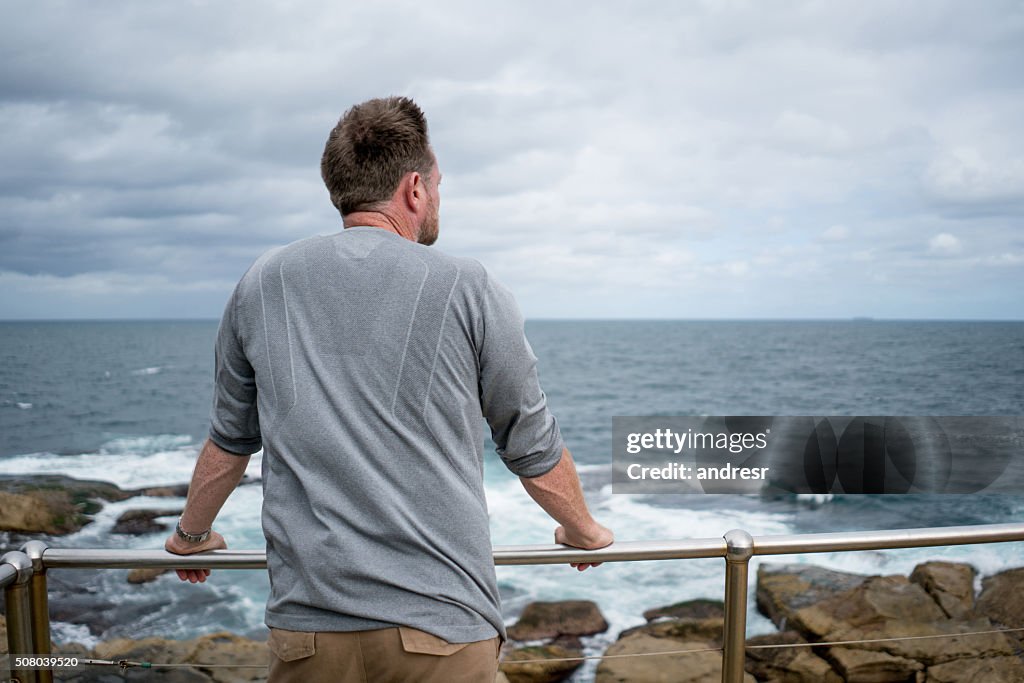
361 363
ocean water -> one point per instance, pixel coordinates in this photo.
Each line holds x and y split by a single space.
127 402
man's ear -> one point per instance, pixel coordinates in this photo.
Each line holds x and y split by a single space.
413 189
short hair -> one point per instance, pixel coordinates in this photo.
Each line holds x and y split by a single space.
373 146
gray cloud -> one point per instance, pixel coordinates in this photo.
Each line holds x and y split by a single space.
669 160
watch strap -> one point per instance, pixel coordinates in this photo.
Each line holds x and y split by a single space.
191 538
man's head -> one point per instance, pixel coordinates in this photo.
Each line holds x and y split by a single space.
377 147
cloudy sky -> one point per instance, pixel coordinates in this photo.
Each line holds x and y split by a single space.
710 159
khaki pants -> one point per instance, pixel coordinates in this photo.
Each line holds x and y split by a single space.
379 656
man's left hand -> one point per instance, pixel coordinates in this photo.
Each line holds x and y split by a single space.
180 546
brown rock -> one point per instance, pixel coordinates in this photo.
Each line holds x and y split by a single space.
708 631
170 491
951 585
785 664
989 670
46 512
71 649
155 650
217 648
865 666
137 522
877 600
892 607
145 574
782 589
228 648
695 667
551 619
1002 600
518 671
52 503
690 609
181 490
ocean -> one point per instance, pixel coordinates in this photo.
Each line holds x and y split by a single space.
127 402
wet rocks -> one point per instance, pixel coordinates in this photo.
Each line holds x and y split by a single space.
1002 600
522 665
542 620
52 503
559 623
57 505
138 522
912 629
784 588
689 609
790 664
951 584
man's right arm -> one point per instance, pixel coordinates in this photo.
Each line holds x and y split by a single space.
559 493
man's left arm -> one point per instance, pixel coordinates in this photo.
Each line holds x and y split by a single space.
215 476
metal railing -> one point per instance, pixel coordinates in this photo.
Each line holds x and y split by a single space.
23 573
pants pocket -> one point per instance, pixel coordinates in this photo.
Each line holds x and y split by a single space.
414 640
291 645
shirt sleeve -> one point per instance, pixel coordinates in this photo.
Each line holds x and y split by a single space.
234 420
524 431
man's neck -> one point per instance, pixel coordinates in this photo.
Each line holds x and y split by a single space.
382 220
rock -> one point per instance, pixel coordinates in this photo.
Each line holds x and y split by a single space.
951 585
170 491
1002 600
137 522
216 648
787 665
784 588
156 650
551 619
51 503
690 609
695 667
892 607
540 672
228 648
989 670
865 666
181 490
145 574
70 649
874 602
708 631
47 512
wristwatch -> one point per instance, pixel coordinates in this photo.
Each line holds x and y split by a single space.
191 538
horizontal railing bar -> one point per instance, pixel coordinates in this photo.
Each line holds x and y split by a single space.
8 574
887 539
81 558
622 551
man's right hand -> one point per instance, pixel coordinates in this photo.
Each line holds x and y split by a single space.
594 538
559 493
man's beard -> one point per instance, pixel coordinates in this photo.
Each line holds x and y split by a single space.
430 227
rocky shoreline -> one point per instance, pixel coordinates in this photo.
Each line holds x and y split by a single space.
810 605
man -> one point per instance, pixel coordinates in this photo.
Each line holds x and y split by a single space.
361 364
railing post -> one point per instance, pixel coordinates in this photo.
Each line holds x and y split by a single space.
39 604
19 618
740 548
